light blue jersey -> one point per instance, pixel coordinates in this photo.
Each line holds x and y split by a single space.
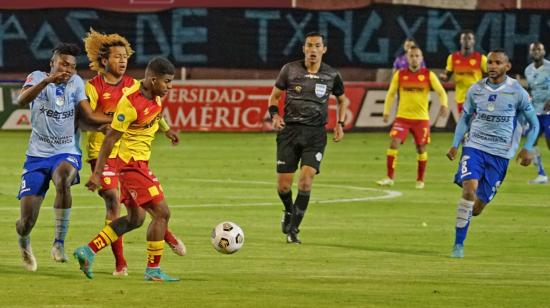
538 80
490 117
53 114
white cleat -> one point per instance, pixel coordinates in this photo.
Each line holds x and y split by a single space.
29 261
540 179
385 182
419 185
179 248
58 253
121 272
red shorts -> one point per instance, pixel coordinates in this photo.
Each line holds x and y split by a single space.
109 177
138 185
420 130
459 106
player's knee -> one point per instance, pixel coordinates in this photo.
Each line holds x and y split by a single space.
283 188
63 186
25 225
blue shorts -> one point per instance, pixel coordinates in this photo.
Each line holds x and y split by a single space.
38 172
544 125
488 169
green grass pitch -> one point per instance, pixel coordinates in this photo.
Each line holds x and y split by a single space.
359 249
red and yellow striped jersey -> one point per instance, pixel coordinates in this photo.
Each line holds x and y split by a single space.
137 117
467 71
414 90
104 98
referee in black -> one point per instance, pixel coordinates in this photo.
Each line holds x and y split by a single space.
301 136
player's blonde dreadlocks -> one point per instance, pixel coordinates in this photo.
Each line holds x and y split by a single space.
97 47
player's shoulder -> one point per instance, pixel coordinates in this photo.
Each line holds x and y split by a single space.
35 77
478 86
95 81
128 81
75 78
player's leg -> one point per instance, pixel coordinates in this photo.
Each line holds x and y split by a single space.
63 177
421 134
541 178
30 208
111 198
160 215
109 234
175 243
398 135
459 107
288 156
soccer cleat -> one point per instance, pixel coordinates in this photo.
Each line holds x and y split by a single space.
178 247
29 261
285 222
458 251
121 270
292 237
58 252
385 182
85 257
155 274
419 185
540 179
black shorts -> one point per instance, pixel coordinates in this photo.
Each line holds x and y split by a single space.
300 143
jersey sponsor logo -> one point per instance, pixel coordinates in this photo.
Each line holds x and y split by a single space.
491 107
298 89
56 114
494 118
120 117
473 62
146 111
492 97
280 162
311 76
320 89
421 77
73 160
106 95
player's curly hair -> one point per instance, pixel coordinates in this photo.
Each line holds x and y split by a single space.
98 45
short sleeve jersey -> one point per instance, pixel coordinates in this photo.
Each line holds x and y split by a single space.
137 118
53 114
104 98
307 93
467 71
494 128
538 80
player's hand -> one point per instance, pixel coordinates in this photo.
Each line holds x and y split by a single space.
338 133
58 77
451 155
173 136
94 182
277 122
443 111
524 157
443 76
386 118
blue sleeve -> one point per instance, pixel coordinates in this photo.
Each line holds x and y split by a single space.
526 108
463 124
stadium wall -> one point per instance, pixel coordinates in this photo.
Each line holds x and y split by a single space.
241 106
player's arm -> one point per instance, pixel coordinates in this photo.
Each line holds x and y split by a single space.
463 125
525 155
390 95
89 117
169 132
125 115
342 102
438 88
273 103
29 93
484 65
445 76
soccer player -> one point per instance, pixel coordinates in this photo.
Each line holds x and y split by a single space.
301 136
401 61
489 119
135 123
538 79
467 65
414 84
55 99
108 55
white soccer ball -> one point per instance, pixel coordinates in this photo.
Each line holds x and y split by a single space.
227 237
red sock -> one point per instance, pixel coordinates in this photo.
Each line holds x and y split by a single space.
118 252
170 238
422 162
459 107
391 162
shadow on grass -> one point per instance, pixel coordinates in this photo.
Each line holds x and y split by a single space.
406 251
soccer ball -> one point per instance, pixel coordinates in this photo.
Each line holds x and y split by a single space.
227 237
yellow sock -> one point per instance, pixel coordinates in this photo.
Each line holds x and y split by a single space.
154 253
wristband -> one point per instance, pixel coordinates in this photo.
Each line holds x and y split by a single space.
343 123
273 110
